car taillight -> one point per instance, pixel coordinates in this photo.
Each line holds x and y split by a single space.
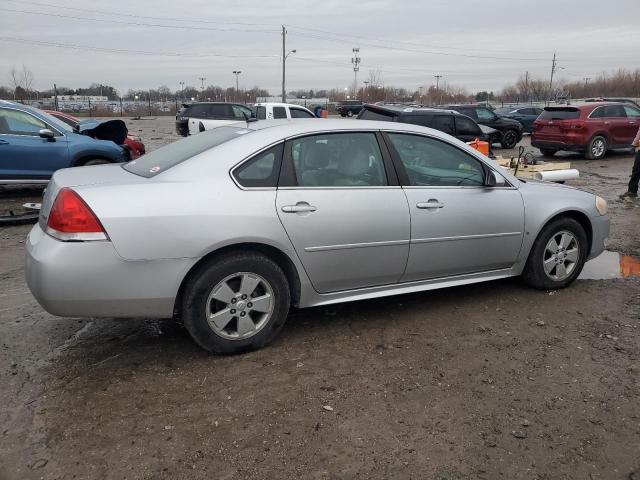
71 219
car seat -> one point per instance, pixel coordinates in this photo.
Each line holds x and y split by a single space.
315 163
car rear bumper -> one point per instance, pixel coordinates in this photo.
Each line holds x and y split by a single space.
600 233
557 145
89 279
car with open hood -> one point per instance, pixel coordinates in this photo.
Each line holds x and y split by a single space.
34 145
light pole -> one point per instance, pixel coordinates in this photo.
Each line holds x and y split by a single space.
202 79
366 89
182 90
237 74
284 59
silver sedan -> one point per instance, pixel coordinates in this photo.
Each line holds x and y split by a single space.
231 228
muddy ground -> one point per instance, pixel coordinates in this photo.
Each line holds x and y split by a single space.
486 381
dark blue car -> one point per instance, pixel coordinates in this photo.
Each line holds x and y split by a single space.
33 144
525 115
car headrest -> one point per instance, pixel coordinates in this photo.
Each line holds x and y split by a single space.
354 161
317 156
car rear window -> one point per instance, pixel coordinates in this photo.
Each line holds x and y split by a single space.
164 158
560 113
367 114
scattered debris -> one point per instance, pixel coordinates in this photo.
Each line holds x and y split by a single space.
519 434
328 408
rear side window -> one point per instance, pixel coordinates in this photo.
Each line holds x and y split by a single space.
422 120
466 126
261 113
262 170
444 123
279 112
299 113
220 111
196 111
367 114
614 111
164 158
560 113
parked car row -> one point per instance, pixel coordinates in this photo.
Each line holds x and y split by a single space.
34 144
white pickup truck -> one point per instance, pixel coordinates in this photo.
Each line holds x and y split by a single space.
269 111
207 115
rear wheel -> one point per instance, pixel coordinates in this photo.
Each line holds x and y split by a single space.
236 303
597 148
548 152
557 256
509 139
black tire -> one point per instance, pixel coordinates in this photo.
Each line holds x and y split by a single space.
349 113
548 152
209 275
597 148
509 139
95 161
534 273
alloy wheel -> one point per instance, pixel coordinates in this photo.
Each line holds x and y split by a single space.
561 256
598 148
240 305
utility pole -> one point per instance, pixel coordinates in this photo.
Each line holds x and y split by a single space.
553 70
55 96
237 74
202 79
526 86
284 60
182 90
438 77
586 83
355 60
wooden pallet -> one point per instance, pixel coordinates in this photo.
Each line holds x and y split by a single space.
528 171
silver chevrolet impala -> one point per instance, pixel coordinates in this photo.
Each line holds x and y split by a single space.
230 228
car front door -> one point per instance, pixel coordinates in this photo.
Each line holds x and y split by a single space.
23 153
458 225
340 204
617 124
633 123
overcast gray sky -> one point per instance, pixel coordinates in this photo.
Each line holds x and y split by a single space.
147 43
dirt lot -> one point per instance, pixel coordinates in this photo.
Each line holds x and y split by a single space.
480 382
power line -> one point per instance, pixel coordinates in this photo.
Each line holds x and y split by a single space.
73 46
121 14
138 24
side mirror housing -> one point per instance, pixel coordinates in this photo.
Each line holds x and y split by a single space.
46 133
494 180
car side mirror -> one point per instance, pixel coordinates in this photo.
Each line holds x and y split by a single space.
494 180
46 133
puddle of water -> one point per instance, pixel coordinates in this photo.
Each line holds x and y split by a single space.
610 265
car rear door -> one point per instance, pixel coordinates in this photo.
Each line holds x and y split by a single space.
458 225
340 203
23 153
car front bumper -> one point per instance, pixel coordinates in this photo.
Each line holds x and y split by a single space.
90 279
600 233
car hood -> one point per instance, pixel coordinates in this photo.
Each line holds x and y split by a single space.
114 130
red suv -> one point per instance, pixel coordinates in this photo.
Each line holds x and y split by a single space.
592 129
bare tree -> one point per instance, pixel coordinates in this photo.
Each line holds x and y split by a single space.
14 80
27 79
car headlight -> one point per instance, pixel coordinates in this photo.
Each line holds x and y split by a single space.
601 205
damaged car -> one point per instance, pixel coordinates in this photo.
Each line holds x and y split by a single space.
33 144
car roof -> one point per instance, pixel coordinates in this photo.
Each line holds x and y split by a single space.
406 109
277 104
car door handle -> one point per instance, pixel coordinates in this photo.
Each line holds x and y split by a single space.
432 203
299 207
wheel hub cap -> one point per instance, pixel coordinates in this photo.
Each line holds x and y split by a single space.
561 256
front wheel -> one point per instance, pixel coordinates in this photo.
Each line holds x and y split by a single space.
597 148
96 161
557 256
236 303
509 139
349 114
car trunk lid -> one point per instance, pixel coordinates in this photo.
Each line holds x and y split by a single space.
553 121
